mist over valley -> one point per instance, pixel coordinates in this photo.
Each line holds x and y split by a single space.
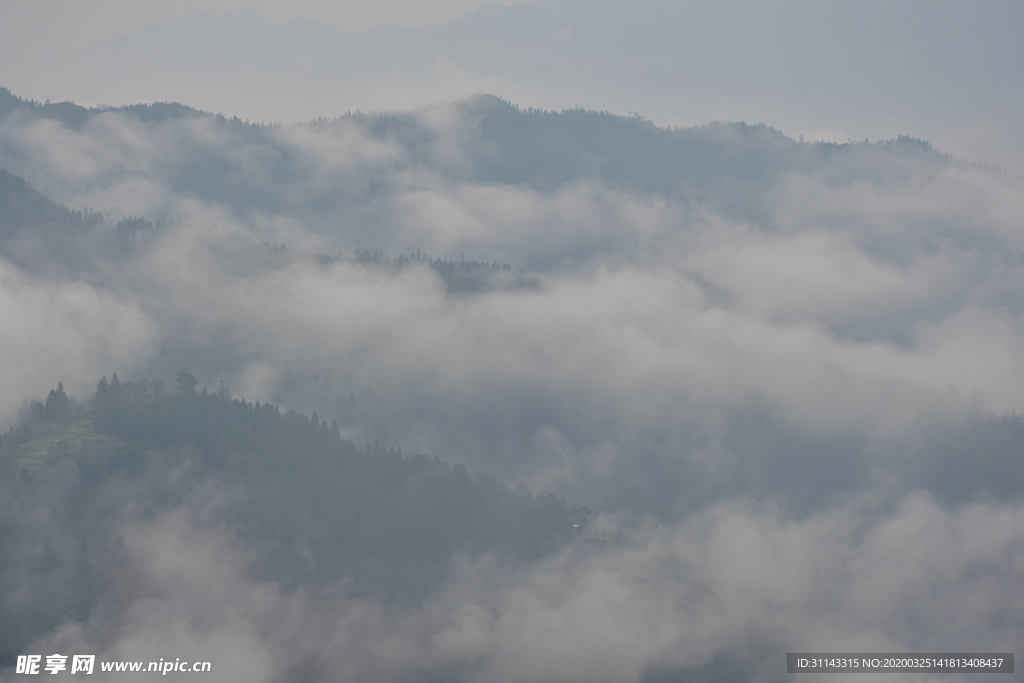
483 392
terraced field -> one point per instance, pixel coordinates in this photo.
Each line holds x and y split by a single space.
63 439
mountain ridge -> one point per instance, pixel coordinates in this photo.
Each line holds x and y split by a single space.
677 62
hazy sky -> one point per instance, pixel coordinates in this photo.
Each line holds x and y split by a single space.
48 24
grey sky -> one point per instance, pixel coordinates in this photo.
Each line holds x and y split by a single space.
30 25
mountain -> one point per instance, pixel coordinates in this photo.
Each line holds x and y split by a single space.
312 507
499 143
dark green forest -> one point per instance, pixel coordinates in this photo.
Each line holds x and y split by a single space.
313 506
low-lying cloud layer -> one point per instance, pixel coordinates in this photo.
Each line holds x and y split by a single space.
730 590
782 372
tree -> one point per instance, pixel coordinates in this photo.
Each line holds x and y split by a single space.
57 404
187 383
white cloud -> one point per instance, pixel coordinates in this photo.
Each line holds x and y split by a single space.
69 332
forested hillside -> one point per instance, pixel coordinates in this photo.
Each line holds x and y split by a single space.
310 506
